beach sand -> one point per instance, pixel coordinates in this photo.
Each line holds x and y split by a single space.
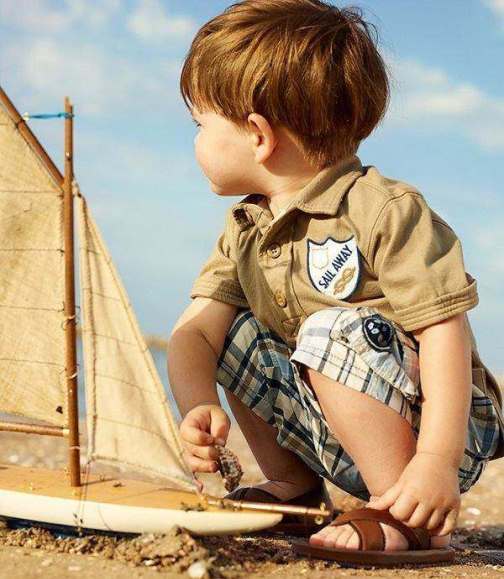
479 539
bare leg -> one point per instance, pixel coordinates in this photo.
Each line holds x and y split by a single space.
288 475
379 440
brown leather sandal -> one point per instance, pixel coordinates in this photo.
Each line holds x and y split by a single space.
297 525
371 550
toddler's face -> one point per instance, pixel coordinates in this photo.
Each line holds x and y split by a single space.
225 155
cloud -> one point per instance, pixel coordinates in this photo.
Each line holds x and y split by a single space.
150 23
497 7
98 80
34 15
427 98
64 57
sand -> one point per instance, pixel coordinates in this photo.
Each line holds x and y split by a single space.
479 539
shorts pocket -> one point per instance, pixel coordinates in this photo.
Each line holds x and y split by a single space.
397 362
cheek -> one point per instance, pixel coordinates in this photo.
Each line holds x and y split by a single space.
222 160
209 153
201 152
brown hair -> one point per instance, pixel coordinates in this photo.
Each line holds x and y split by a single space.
303 64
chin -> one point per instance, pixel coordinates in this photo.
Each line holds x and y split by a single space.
222 192
228 191
215 188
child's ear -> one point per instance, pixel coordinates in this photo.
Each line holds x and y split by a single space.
263 137
255 138
261 125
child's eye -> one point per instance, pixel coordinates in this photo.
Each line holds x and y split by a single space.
196 123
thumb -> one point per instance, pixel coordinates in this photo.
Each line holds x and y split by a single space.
219 425
387 499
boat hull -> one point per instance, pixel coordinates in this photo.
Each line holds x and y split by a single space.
113 505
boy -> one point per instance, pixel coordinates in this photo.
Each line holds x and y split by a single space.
332 308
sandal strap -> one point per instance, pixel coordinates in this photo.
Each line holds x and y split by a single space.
417 538
371 537
423 536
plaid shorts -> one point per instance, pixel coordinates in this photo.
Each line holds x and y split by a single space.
354 346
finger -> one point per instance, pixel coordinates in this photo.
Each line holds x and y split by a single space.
372 500
205 452
449 524
199 417
420 516
199 465
219 424
435 520
194 435
388 498
404 506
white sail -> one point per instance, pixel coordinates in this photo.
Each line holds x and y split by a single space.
129 418
32 337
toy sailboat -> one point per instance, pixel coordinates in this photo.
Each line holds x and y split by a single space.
129 422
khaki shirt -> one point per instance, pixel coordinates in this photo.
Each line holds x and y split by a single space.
351 237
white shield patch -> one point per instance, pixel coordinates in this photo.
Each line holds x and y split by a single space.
333 266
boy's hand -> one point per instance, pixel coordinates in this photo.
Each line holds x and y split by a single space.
426 495
201 428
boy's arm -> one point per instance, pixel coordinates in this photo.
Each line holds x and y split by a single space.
446 378
194 348
197 339
419 262
427 492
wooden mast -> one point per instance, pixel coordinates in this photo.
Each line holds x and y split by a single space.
70 326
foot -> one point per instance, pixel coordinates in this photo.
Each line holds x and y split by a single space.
345 537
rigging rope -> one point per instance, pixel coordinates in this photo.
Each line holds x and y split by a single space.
28 116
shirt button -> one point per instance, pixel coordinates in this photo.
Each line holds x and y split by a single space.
280 298
274 250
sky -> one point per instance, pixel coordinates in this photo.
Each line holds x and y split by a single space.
119 61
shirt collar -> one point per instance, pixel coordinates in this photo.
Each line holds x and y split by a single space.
323 194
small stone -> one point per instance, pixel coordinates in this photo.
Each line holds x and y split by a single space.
229 467
473 511
198 570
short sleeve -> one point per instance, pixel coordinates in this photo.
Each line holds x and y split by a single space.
419 263
218 278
